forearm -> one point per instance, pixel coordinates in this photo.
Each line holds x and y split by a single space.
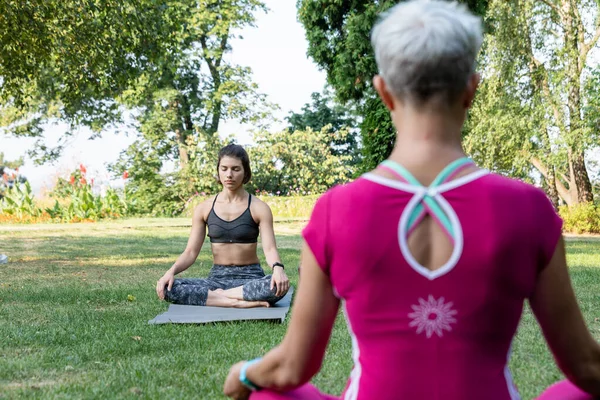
272 255
280 370
301 352
587 377
183 262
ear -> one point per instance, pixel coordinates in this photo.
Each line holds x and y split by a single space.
471 90
384 94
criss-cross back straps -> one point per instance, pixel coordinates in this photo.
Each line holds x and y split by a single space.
428 203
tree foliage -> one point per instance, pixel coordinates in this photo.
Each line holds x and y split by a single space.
13 164
325 111
68 60
162 192
338 34
283 163
537 104
86 62
180 105
299 162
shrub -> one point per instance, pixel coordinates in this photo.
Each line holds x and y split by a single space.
581 218
18 201
291 206
74 201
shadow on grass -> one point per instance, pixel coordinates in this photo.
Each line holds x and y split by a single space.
140 246
583 245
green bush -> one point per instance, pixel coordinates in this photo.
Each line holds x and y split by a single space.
18 201
83 205
581 218
291 206
80 203
298 163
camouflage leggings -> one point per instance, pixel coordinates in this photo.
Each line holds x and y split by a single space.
194 291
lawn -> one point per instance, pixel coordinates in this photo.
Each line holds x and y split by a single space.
75 301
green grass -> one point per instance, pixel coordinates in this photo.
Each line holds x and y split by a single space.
67 329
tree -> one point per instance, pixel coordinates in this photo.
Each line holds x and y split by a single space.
338 34
193 90
324 111
14 164
68 60
298 162
537 108
85 63
181 103
158 192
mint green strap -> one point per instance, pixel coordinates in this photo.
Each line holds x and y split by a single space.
430 201
449 170
403 172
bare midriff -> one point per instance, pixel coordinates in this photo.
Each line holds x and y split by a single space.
234 253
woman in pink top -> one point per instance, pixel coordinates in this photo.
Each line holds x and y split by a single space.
430 257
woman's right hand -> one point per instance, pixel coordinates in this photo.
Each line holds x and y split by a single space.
166 280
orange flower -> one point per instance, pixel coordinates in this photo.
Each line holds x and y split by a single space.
72 180
125 175
82 181
82 168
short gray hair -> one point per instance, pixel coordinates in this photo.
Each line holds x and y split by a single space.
426 49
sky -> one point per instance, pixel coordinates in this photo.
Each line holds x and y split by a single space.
275 50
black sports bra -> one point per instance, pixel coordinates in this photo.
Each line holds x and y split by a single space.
243 229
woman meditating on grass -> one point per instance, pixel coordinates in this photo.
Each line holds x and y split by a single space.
431 257
234 218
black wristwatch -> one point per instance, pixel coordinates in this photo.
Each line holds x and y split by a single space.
278 264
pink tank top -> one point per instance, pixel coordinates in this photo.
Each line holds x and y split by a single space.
442 334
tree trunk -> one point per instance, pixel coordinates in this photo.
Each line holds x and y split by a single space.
549 174
581 179
217 106
181 146
552 191
214 64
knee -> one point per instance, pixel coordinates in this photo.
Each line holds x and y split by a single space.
273 298
187 295
261 292
283 293
172 295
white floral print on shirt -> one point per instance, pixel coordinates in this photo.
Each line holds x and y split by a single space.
432 316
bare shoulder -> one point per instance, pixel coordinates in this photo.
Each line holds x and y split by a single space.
259 208
201 211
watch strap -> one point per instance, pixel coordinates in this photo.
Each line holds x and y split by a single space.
244 379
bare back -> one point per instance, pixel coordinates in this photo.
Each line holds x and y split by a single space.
428 242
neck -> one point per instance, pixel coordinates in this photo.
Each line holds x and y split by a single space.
427 133
233 195
427 140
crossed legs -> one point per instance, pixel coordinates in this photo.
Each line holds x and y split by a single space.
218 292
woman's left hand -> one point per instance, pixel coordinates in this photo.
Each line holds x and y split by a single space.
280 280
233 387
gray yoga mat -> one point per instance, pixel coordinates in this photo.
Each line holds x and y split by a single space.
180 314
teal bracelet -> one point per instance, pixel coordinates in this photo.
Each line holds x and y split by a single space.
244 379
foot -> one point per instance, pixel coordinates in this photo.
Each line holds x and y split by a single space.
250 304
219 299
235 293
